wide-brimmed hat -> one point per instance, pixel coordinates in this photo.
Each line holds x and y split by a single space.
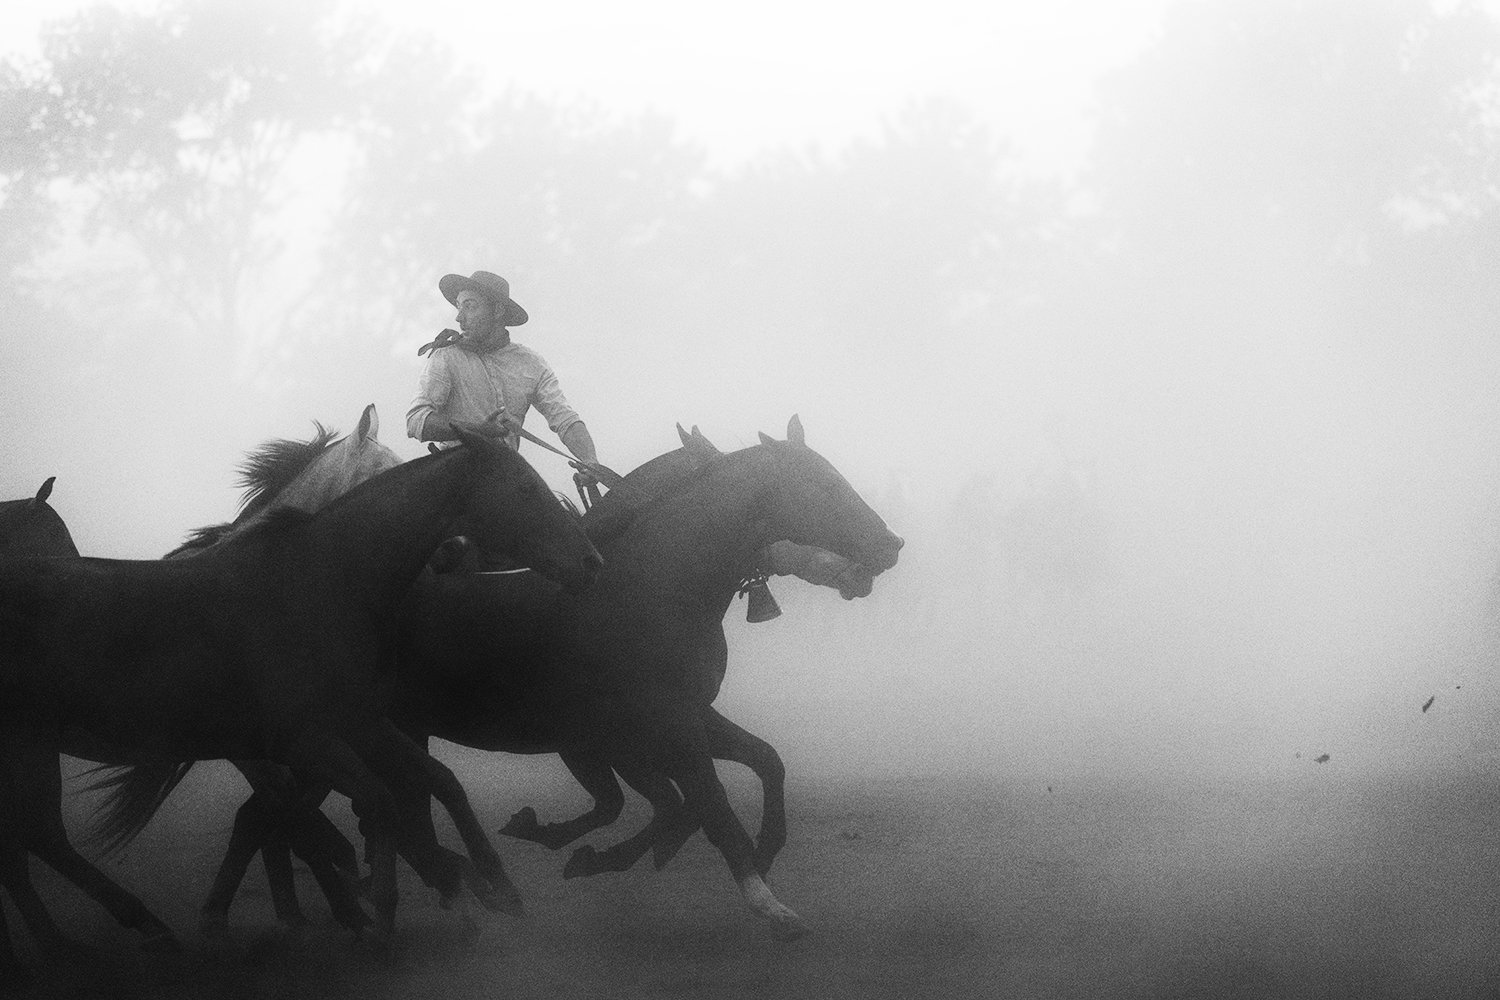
494 287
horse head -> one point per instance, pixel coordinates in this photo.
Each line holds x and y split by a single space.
31 529
809 502
339 466
510 511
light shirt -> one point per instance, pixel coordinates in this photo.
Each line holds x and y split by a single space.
469 386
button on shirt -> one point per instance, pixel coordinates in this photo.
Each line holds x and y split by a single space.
469 386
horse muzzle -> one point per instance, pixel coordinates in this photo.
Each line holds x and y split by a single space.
882 555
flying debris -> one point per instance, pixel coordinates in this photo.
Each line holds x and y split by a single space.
1428 703
1325 758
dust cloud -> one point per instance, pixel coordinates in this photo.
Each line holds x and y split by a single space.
1195 449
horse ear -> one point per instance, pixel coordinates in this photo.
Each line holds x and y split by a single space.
683 434
698 448
706 442
766 438
794 431
369 424
46 490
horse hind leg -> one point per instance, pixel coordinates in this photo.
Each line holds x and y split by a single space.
127 910
598 779
668 829
16 878
13 974
35 783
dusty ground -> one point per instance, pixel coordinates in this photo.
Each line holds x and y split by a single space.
1314 884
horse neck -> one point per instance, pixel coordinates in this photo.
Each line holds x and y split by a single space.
383 532
29 530
695 548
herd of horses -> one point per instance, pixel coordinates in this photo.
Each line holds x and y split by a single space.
344 619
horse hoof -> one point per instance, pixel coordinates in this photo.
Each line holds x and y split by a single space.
502 899
582 862
789 928
663 852
523 825
67 951
16 976
162 942
214 926
382 944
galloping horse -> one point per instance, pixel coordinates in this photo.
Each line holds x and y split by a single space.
627 671
540 689
265 646
31 529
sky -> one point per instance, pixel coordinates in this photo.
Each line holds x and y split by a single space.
781 73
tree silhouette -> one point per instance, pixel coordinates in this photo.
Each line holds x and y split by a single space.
165 140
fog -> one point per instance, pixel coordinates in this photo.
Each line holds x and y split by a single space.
1192 432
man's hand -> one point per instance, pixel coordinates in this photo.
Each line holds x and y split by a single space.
584 476
502 424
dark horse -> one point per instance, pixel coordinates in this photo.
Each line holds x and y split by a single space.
627 671
268 646
626 681
31 529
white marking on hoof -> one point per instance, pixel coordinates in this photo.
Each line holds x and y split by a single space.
785 924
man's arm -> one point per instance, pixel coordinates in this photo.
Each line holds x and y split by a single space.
580 443
436 428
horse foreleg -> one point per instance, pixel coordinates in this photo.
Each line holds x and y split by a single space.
417 777
335 761
333 863
282 814
276 856
598 779
693 770
728 741
253 822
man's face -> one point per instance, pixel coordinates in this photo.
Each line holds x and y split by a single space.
476 314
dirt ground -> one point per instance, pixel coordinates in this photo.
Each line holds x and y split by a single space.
1314 884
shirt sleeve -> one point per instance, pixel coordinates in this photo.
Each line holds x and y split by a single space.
433 390
552 404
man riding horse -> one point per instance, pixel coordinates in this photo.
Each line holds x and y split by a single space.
488 373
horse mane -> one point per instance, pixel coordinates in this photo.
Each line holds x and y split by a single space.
662 476
276 519
273 466
200 538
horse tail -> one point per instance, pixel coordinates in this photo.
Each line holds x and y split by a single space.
133 794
